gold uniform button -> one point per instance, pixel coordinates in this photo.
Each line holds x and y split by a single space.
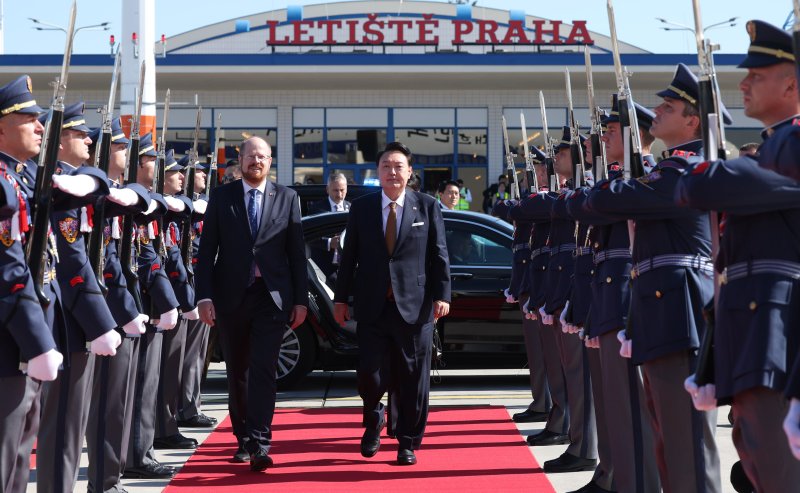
658 294
559 267
524 261
544 267
591 272
596 245
608 279
753 305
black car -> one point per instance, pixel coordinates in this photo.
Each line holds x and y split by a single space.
314 193
481 329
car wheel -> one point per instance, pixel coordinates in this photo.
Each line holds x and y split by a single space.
297 357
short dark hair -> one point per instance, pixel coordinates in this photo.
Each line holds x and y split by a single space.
396 147
447 183
415 182
690 110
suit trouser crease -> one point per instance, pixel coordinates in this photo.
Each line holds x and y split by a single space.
143 419
758 435
192 372
540 391
604 474
558 419
686 450
169 383
396 354
19 409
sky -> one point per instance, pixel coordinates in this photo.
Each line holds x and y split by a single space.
636 20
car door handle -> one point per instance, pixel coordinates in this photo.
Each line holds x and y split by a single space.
461 276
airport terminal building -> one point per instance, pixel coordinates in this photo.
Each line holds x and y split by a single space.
329 84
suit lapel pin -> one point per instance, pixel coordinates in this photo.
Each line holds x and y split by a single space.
413 208
271 194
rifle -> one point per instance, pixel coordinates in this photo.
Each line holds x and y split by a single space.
548 147
101 159
158 177
575 146
711 119
188 190
510 168
628 122
211 179
598 149
533 183
37 248
129 270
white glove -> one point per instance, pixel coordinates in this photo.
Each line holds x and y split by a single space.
136 326
152 208
76 185
509 297
45 366
106 344
175 205
192 315
200 206
123 196
626 348
703 398
168 320
791 426
546 319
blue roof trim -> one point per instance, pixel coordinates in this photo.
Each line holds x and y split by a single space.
513 59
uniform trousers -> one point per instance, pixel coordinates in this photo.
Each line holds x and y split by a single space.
604 474
65 412
540 391
758 435
558 420
686 451
108 432
627 421
582 426
394 352
19 422
143 418
169 381
194 358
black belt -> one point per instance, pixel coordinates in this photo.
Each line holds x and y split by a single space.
604 255
564 247
765 266
673 260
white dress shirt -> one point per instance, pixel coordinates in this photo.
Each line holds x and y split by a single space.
385 201
336 207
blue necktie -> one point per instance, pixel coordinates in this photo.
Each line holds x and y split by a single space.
252 213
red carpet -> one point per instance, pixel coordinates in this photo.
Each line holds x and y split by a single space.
465 449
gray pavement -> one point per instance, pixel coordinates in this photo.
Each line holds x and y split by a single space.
453 387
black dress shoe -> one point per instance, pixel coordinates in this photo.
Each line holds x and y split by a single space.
260 461
149 471
371 440
198 421
176 441
530 416
569 463
547 437
406 457
241 456
591 487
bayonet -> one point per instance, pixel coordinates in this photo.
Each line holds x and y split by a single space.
186 251
510 167
598 151
548 146
211 179
533 184
575 139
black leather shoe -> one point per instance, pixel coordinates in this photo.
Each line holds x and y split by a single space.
406 457
591 487
198 421
241 455
569 463
260 461
547 437
149 471
176 441
530 416
371 440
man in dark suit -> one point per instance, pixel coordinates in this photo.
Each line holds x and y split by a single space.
399 290
335 201
251 281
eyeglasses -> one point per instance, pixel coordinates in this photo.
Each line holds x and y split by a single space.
257 157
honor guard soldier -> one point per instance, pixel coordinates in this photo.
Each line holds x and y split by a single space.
581 454
197 332
174 341
108 432
557 422
26 341
756 335
539 408
624 415
158 295
86 318
671 283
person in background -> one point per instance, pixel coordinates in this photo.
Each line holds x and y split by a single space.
450 195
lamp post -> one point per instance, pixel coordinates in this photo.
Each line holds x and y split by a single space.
46 26
680 27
